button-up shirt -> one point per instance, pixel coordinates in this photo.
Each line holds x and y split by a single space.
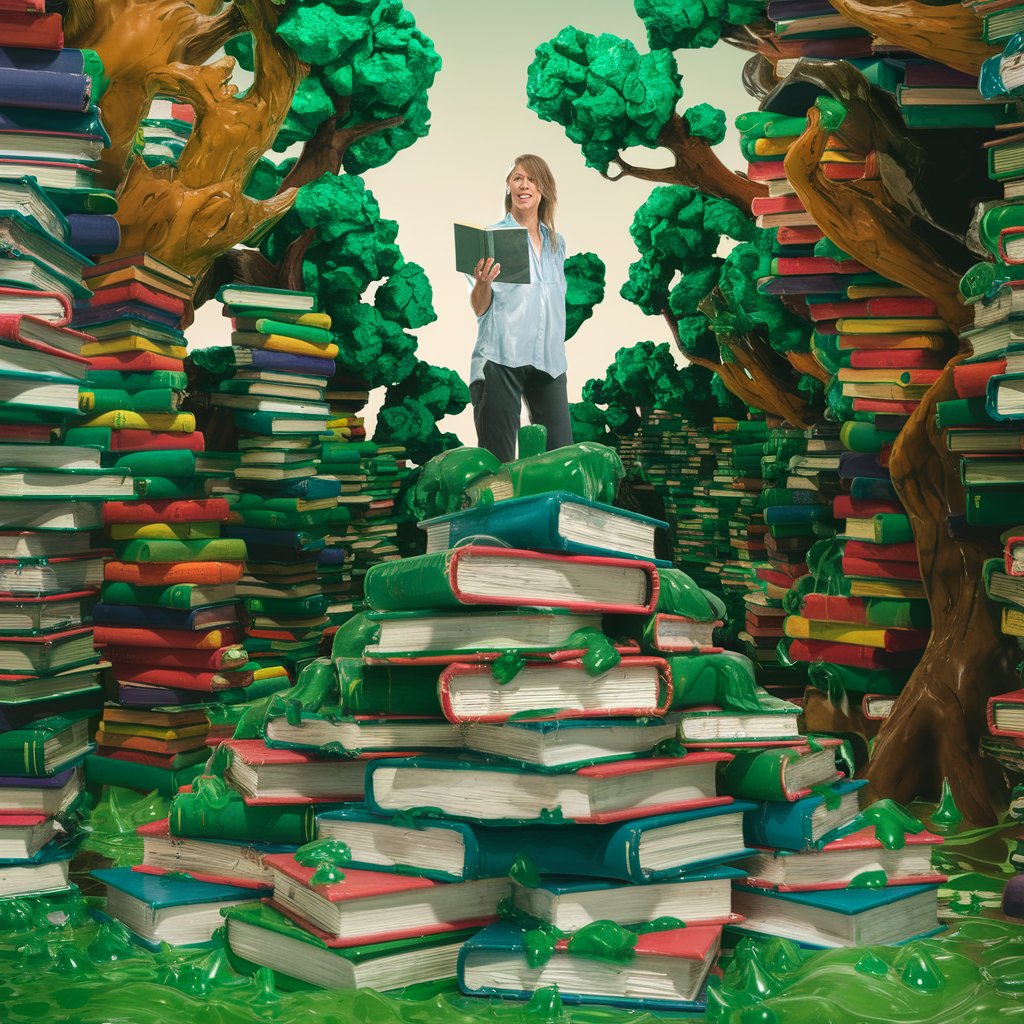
525 323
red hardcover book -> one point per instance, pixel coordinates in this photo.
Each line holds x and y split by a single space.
880 405
766 170
130 636
850 655
908 342
28 433
32 31
911 305
128 440
872 567
147 744
34 7
776 577
776 204
799 235
785 265
845 507
132 291
834 608
180 679
971 379
165 574
200 510
1005 714
42 336
227 657
883 552
845 172
52 307
896 358
136 362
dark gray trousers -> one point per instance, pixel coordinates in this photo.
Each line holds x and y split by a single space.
498 403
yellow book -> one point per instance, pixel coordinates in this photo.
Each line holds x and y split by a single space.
280 343
876 375
890 325
799 628
122 419
885 391
153 732
132 343
836 156
930 342
878 291
1013 622
774 147
908 589
164 531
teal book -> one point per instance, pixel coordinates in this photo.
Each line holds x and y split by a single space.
556 521
803 824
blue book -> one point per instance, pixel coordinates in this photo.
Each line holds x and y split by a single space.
45 873
151 617
285 362
67 60
869 489
94 234
267 542
645 850
559 522
667 972
840 917
802 824
44 90
861 464
86 124
93 315
179 911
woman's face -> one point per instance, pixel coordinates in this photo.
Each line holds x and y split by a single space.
525 192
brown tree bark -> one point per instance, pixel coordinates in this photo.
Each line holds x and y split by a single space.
950 34
936 722
188 214
696 166
133 37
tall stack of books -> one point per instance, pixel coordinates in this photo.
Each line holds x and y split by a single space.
271 381
814 29
51 558
933 95
499 663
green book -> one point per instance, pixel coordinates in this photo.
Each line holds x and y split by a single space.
248 296
333 451
865 437
263 937
509 246
228 817
168 463
313 605
777 773
135 382
179 595
888 613
986 115
884 528
829 677
395 690
155 488
318 335
268 520
99 400
702 679
218 549
145 778
962 412
46 746
762 124
994 507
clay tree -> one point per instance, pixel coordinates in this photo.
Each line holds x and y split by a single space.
932 733
717 316
610 97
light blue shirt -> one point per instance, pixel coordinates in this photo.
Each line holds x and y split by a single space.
525 323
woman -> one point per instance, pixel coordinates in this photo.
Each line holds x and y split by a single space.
520 340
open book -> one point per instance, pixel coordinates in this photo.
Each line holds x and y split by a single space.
508 246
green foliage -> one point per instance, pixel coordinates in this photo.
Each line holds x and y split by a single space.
406 297
689 24
368 63
603 91
584 279
589 422
706 122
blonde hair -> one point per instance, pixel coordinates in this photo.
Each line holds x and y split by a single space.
536 167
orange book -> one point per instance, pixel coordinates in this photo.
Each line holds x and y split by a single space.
165 574
120 742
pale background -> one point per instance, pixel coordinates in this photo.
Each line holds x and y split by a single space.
479 123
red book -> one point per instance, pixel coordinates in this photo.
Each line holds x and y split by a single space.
32 31
881 569
1005 714
803 235
136 362
880 405
131 636
153 759
817 265
165 574
52 307
845 172
776 578
971 379
766 170
176 657
834 608
851 655
911 305
202 510
883 552
127 440
181 678
896 358
23 6
28 433
776 204
845 507
132 291
42 336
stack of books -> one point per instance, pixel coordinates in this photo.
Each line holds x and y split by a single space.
813 29
933 95
536 679
165 130
271 384
1000 19
826 875
1004 743
51 557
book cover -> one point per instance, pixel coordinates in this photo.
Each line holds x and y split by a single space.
509 246
801 824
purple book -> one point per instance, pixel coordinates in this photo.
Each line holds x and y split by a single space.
331 556
84 315
889 422
46 90
805 284
285 362
158 696
932 75
1013 897
94 234
861 464
785 10
40 781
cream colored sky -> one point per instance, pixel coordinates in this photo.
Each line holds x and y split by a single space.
480 121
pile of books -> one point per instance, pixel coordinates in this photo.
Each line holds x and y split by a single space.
165 131
814 29
933 95
1004 743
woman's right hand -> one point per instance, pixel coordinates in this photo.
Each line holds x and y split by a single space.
486 270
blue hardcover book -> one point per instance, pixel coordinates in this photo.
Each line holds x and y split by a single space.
311 488
266 542
559 522
861 464
94 234
44 90
802 824
667 972
645 850
178 911
286 362
151 617
93 315
840 917
68 61
86 124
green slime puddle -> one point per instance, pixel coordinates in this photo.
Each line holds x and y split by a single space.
59 965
